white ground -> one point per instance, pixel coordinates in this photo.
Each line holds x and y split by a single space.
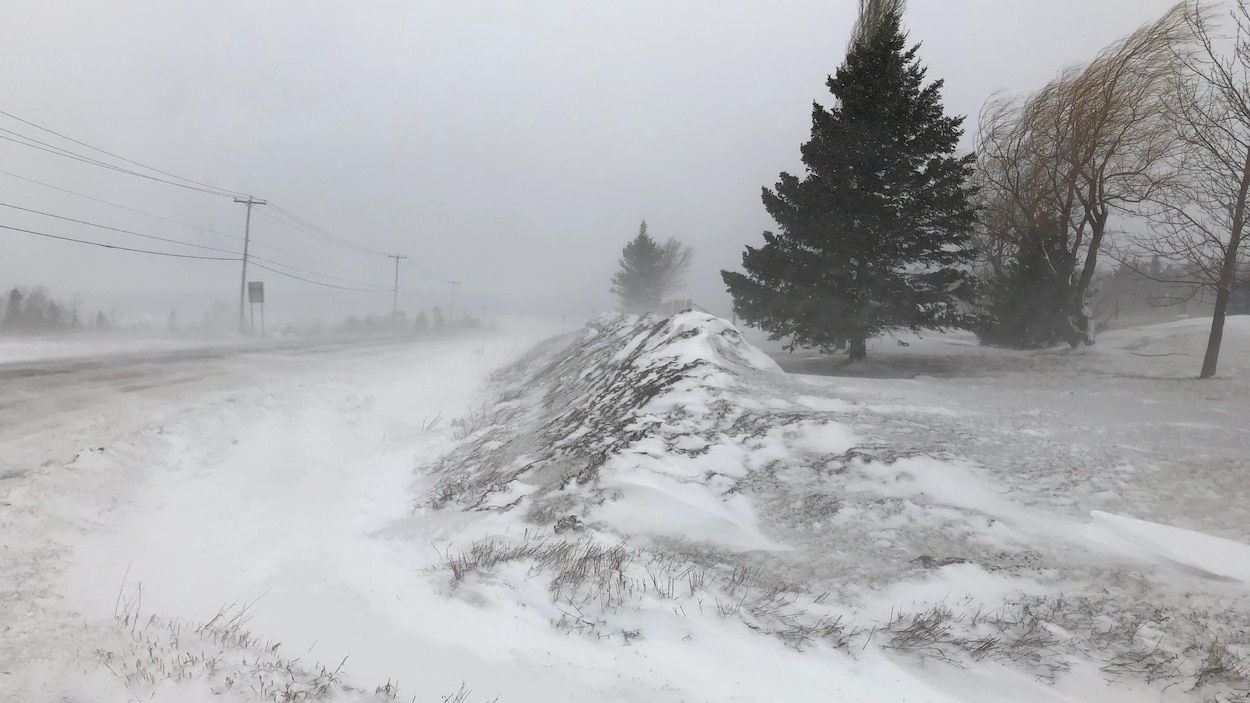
78 346
282 481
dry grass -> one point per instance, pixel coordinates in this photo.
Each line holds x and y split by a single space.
225 658
591 582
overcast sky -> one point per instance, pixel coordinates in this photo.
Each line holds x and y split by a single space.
512 146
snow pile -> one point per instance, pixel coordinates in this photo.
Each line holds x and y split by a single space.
646 475
617 430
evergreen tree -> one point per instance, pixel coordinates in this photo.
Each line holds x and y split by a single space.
636 282
876 235
648 272
13 311
1027 303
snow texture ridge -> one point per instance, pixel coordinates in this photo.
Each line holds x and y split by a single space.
569 419
648 465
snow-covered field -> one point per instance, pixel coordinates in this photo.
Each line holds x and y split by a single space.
644 510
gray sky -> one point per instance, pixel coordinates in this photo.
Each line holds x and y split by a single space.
512 146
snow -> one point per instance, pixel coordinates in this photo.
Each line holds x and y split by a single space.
27 349
645 510
1214 557
651 503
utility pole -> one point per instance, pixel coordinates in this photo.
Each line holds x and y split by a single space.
249 201
453 308
395 291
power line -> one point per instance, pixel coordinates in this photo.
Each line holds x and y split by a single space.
116 156
333 237
254 258
58 151
296 222
318 283
120 248
192 256
235 254
295 227
118 205
117 229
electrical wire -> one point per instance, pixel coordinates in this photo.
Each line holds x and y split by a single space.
118 229
314 230
132 162
41 146
253 257
294 222
121 248
319 283
119 205
237 256
293 226
296 227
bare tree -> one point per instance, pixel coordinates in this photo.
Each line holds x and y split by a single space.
675 259
1200 218
1094 141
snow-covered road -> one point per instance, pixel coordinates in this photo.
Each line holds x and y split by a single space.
221 477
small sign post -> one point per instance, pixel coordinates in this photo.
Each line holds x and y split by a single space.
256 294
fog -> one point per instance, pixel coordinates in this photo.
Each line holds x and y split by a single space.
513 147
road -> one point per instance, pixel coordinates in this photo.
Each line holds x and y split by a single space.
221 475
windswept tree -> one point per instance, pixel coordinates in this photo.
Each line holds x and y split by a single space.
876 235
649 271
1199 220
1055 166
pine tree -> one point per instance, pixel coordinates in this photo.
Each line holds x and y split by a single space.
876 236
13 318
648 271
635 284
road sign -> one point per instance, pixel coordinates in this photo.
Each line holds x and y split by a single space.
255 292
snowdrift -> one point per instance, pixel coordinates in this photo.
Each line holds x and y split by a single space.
646 475
616 430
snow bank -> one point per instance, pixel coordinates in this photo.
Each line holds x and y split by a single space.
645 470
635 426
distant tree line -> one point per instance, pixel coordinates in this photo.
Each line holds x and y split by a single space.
34 311
422 325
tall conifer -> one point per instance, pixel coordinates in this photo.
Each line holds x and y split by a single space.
876 235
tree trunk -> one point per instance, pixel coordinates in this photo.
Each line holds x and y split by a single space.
1217 333
1082 333
859 349
1228 275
